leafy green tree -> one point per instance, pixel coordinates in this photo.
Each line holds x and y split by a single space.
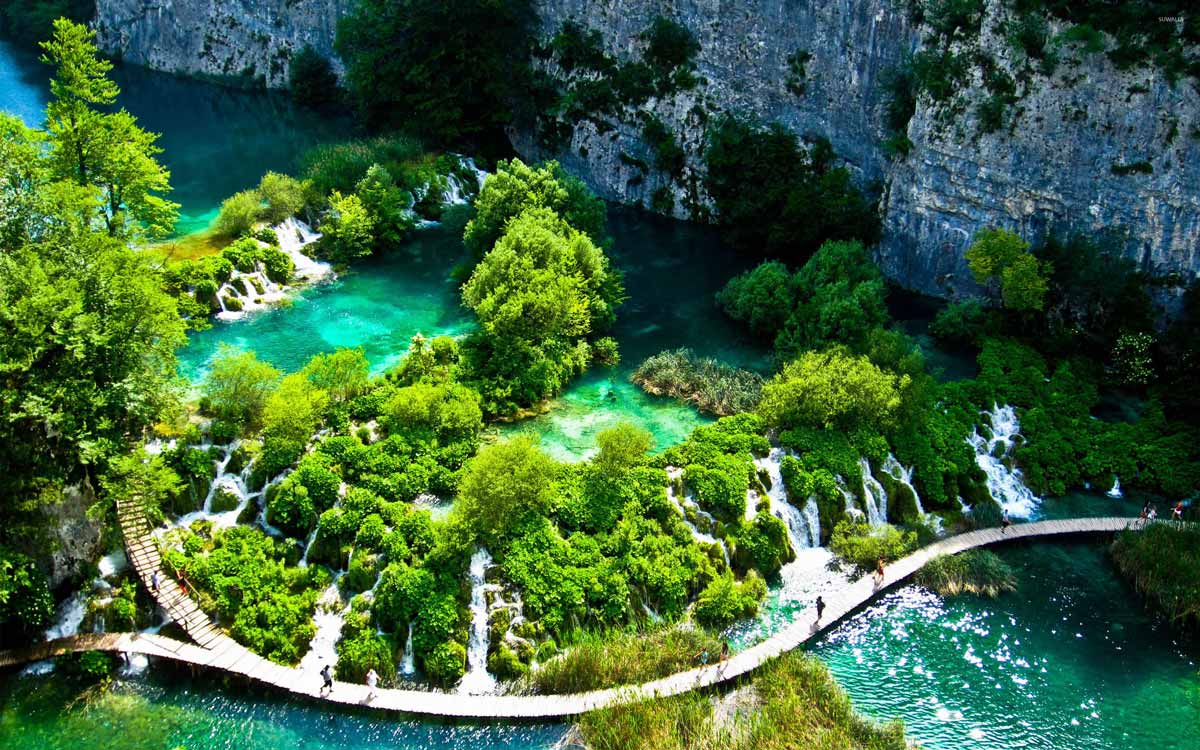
25 601
1132 359
343 374
622 447
105 151
516 187
387 205
295 409
284 197
832 389
348 232
725 601
311 79
239 213
761 298
447 70
238 387
502 483
840 299
962 323
449 411
1000 259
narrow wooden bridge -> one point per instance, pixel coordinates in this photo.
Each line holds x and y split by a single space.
214 649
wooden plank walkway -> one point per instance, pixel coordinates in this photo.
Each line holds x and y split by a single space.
216 650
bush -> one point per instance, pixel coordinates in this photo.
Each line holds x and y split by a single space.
347 231
975 571
284 196
761 298
863 546
606 659
832 389
964 323
725 601
239 213
711 385
446 663
311 79
1163 563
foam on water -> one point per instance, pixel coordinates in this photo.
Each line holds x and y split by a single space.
1006 485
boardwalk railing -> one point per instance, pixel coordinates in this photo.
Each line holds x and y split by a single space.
219 651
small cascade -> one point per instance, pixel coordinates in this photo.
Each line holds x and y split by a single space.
69 617
799 521
225 483
408 665
1005 484
673 474
852 509
112 563
904 477
478 680
294 235
874 496
1116 492
329 619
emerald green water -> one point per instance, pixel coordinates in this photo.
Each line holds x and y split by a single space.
1070 661
170 711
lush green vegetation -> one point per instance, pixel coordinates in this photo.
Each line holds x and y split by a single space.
796 703
87 334
30 21
863 546
606 659
311 79
713 386
446 70
779 198
1163 563
976 571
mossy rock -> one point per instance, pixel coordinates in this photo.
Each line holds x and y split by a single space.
248 514
258 285
505 664
232 303
547 650
225 500
525 651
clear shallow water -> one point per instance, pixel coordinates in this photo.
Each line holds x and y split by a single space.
1070 661
162 713
216 141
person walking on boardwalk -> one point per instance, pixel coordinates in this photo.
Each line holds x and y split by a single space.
326 679
1177 513
820 608
879 574
372 681
1004 521
154 581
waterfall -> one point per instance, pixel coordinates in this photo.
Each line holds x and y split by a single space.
477 679
329 618
801 530
294 235
874 496
674 473
904 477
1116 492
1004 484
852 509
112 563
234 484
69 617
408 666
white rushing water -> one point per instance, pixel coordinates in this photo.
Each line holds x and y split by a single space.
477 680
227 483
1005 485
1116 492
673 473
803 524
67 620
904 477
874 496
408 665
294 235
329 619
255 290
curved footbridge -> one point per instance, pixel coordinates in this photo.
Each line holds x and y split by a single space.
216 650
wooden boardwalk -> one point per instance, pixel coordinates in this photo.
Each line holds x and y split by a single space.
216 650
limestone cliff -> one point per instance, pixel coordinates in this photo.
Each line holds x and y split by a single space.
249 41
1081 145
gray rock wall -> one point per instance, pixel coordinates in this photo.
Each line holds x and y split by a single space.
1049 165
237 39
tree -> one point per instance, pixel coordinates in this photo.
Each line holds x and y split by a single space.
343 374
295 409
621 448
516 187
1000 258
311 79
105 151
387 205
832 389
283 195
25 601
761 298
502 483
840 300
348 230
237 388
447 70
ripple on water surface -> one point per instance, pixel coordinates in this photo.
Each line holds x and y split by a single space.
1069 661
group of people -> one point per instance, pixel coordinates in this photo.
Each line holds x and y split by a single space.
327 682
1150 511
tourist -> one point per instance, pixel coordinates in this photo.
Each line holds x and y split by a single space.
1004 521
1145 510
326 679
372 681
820 608
724 650
1177 513
879 574
1153 513
154 581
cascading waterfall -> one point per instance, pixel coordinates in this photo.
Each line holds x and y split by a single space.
294 235
802 532
408 665
1004 484
904 477
69 617
874 496
478 680
234 484
329 619
673 473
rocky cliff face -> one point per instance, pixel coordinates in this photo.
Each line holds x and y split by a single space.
76 539
243 40
1085 147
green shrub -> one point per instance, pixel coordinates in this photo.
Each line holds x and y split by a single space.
447 662
975 571
239 213
284 196
711 385
1163 563
863 546
311 79
724 600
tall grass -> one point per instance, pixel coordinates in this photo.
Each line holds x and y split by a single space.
976 571
339 166
602 660
1163 563
713 386
792 702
